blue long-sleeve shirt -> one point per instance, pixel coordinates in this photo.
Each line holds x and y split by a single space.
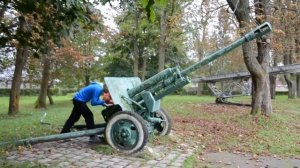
91 93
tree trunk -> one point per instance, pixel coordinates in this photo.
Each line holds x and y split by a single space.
202 43
135 45
86 76
42 99
298 85
21 58
162 40
136 59
273 78
266 97
291 48
291 82
144 67
256 98
49 94
297 52
258 67
263 11
273 86
261 102
290 78
199 89
50 97
200 52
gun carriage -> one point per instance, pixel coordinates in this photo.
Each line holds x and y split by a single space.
128 130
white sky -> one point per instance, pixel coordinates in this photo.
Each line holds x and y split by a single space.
109 14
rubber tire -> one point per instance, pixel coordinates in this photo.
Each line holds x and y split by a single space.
168 123
140 125
220 100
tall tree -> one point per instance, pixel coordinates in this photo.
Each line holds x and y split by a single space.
286 33
41 100
162 37
257 66
21 58
297 43
201 37
131 42
263 12
35 21
68 64
84 12
136 32
139 45
289 56
273 77
162 40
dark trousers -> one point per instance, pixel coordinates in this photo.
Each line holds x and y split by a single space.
80 108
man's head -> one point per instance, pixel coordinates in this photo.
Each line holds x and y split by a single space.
105 89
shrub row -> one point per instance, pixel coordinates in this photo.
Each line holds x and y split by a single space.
35 92
25 92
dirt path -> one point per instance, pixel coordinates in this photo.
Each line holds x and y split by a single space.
230 160
79 153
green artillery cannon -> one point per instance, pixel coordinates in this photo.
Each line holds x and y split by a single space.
127 130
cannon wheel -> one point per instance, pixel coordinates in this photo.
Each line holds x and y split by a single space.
127 132
220 100
163 128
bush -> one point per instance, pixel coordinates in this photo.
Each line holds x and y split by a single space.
67 91
24 92
282 93
4 92
35 92
55 91
30 92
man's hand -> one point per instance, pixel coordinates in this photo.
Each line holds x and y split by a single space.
107 105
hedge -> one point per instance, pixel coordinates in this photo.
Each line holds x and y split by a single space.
35 92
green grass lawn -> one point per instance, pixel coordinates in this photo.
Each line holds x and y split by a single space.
233 126
27 122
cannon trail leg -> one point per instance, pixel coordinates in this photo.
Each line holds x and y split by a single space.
55 137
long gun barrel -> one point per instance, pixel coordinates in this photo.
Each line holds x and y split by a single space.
154 83
255 33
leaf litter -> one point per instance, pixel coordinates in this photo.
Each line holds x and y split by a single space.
210 132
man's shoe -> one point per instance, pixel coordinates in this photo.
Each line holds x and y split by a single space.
95 139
